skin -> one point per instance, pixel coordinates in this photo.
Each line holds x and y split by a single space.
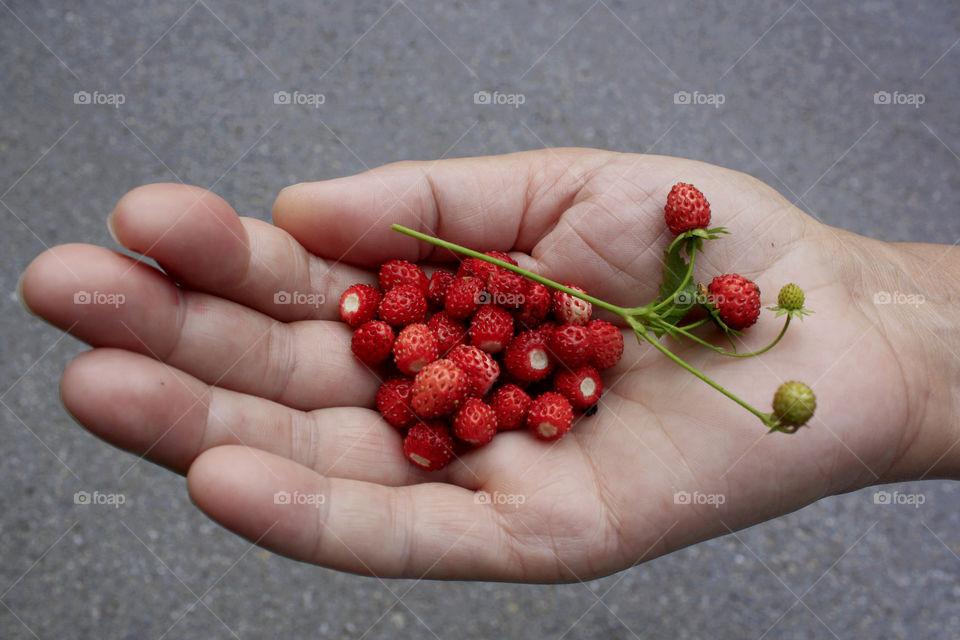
201 371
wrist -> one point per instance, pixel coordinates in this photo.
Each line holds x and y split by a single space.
912 291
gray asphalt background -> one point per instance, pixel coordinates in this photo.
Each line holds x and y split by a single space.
798 79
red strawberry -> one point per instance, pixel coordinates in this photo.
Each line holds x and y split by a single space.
439 389
481 369
571 344
415 347
570 310
535 306
527 357
403 305
463 297
358 304
449 332
607 344
397 272
547 328
475 422
484 270
372 342
549 416
429 445
491 328
506 288
511 403
466 267
686 209
393 401
582 387
440 281
736 299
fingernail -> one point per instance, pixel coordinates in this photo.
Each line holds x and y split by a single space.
20 297
110 229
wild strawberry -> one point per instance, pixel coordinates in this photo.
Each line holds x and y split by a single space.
440 281
481 369
414 348
463 297
549 416
570 310
358 304
582 387
449 332
506 288
429 445
535 306
372 342
686 209
511 403
572 345
397 272
466 267
403 305
439 389
484 270
736 299
607 344
393 401
794 404
491 328
475 422
527 357
547 328
790 297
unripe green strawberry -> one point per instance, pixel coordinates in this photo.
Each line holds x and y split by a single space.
794 404
791 297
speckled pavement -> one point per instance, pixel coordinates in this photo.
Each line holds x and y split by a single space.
849 109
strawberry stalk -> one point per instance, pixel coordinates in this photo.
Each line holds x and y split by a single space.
655 316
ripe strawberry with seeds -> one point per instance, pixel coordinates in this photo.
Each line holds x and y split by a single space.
570 310
686 209
736 299
571 344
440 281
358 304
429 445
449 332
535 306
393 401
403 305
439 389
506 288
510 402
549 416
414 348
463 297
481 369
607 344
372 342
398 272
582 386
475 423
491 328
527 357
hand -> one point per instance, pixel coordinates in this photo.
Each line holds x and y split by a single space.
201 368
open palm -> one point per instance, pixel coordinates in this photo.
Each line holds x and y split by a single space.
203 368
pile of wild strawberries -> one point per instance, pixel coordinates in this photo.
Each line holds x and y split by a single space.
473 353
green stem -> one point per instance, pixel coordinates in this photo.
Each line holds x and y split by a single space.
620 311
731 354
694 325
641 332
